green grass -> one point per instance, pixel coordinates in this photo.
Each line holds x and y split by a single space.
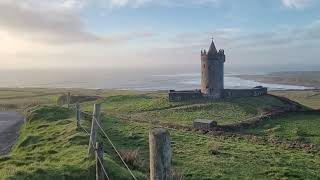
51 147
233 158
294 126
156 108
224 112
310 98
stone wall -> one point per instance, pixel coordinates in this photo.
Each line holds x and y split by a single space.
184 95
234 93
226 93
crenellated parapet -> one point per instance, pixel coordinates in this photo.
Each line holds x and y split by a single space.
204 53
221 56
221 51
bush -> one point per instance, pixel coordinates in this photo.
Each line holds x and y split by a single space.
214 149
132 158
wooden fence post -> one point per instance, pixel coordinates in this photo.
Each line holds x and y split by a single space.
78 114
68 99
99 165
94 128
160 154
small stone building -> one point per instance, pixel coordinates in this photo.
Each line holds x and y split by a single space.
204 124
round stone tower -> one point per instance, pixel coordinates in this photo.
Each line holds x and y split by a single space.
212 72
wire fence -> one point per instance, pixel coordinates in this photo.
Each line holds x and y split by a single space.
115 149
74 108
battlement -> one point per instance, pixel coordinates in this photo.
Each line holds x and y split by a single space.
215 55
221 51
204 53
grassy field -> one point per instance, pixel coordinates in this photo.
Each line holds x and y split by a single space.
205 157
154 107
309 98
51 146
293 126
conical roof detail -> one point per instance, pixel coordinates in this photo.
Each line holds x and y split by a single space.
212 49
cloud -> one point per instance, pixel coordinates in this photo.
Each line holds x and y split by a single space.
297 4
236 38
167 3
55 22
282 46
52 33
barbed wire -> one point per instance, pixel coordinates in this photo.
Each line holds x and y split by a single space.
113 146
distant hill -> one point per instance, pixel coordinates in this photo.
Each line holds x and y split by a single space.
303 78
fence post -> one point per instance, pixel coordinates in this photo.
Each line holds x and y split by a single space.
99 165
68 99
94 127
160 154
78 114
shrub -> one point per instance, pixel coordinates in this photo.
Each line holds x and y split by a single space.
132 158
214 149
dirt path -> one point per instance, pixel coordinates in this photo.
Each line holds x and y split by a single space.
10 123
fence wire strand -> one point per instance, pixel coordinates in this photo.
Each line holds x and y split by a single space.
85 130
103 169
100 161
73 107
113 146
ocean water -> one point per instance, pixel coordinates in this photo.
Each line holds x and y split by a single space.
134 79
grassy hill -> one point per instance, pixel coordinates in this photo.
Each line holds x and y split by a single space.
50 145
155 107
302 126
309 98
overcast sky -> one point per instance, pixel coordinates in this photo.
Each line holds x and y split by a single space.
157 33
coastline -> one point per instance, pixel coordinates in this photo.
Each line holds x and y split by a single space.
306 79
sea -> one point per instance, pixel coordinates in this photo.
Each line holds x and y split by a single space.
122 79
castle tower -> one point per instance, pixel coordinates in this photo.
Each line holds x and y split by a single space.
212 72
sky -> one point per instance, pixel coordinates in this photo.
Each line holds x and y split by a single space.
158 33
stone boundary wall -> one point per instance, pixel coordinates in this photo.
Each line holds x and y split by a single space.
178 96
312 148
255 121
234 93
